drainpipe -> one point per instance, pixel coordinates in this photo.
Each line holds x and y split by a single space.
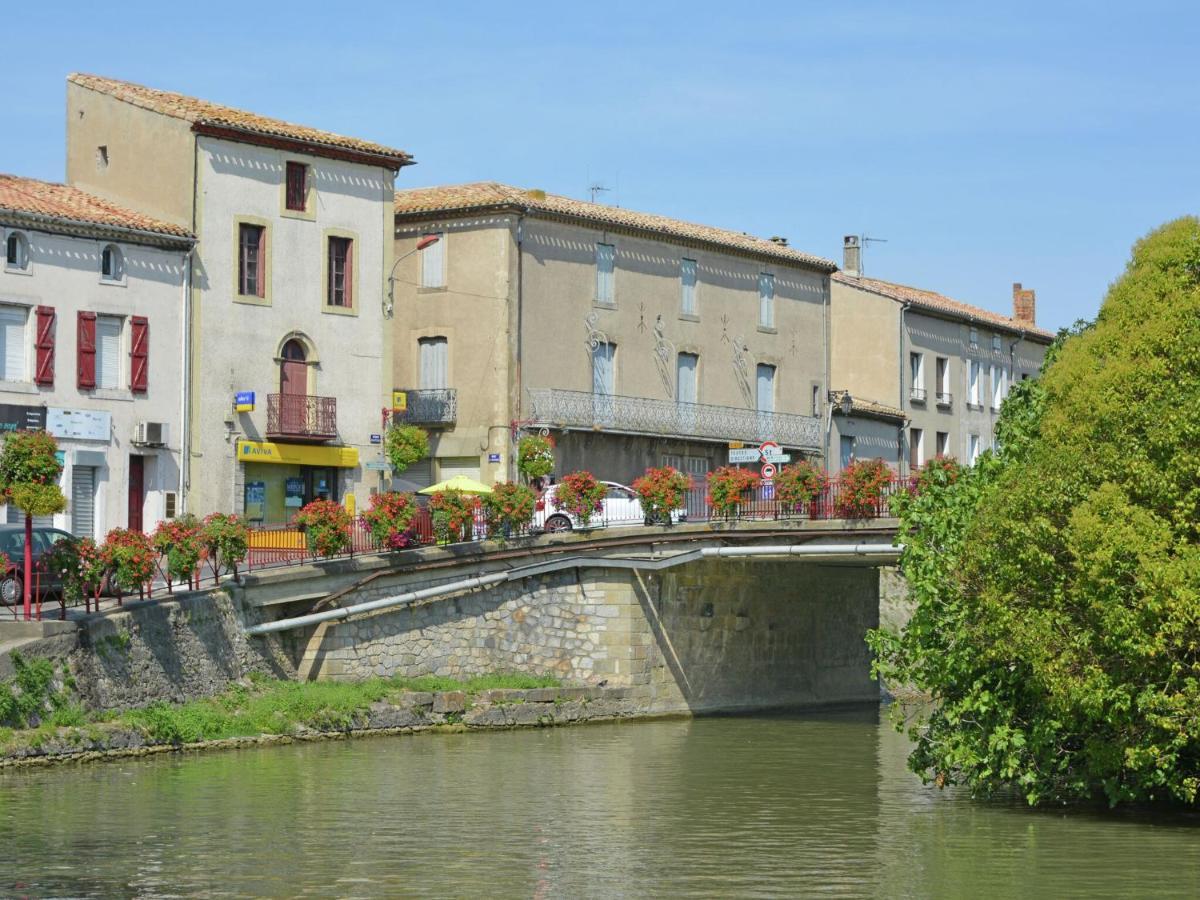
519 367
901 443
185 432
827 312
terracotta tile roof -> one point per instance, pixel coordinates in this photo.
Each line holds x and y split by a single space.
935 302
61 202
202 112
488 194
860 406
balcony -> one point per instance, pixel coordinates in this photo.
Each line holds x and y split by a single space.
299 417
429 408
944 399
916 395
666 418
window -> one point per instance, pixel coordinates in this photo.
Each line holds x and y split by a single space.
974 338
816 400
297 186
942 371
112 264
433 262
973 383
108 352
606 255
603 375
434 363
996 348
916 445
687 286
943 443
847 450
252 257
766 388
686 365
16 250
997 378
12 341
341 266
766 300
916 369
972 448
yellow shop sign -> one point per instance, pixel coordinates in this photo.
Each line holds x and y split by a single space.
297 454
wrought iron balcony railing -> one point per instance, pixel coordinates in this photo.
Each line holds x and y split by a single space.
301 417
944 399
666 418
916 395
428 407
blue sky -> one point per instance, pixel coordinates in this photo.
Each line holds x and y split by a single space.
987 143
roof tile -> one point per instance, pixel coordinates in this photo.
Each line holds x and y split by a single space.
484 194
63 202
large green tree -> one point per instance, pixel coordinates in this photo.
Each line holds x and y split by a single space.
1057 585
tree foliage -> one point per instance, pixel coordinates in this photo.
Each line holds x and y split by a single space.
1057 584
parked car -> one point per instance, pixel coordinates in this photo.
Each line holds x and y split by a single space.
621 507
12 545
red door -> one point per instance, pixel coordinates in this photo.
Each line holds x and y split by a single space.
137 491
293 388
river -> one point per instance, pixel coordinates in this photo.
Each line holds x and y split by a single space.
764 806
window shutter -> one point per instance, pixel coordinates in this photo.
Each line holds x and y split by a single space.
45 345
349 301
260 286
139 373
85 350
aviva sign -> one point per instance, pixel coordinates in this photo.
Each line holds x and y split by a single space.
297 454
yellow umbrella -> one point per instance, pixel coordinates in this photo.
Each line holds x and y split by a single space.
457 483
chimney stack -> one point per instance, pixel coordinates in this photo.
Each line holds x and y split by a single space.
851 256
1024 304
781 241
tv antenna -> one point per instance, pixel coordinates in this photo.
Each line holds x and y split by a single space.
597 188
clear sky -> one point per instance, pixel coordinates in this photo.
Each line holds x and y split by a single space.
988 143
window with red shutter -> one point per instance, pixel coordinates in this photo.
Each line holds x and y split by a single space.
85 350
252 258
139 371
45 346
297 186
341 264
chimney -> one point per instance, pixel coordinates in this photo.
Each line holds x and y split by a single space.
851 256
1024 304
781 241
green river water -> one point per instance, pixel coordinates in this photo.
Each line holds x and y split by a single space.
764 806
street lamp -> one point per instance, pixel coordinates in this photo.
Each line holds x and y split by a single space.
847 403
427 241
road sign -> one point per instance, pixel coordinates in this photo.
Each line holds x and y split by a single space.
776 457
766 448
377 465
768 471
746 455
377 439
736 445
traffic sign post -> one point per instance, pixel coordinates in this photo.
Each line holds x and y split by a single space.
768 471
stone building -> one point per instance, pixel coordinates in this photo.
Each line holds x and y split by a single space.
91 326
637 340
945 365
285 352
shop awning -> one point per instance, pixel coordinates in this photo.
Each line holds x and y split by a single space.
296 454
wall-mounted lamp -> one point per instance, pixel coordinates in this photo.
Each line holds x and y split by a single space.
426 241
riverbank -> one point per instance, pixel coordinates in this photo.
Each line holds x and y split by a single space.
262 711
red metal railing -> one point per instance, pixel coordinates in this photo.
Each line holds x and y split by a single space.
301 416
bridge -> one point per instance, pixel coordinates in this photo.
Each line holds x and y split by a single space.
690 618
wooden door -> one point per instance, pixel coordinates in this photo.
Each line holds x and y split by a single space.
137 491
293 388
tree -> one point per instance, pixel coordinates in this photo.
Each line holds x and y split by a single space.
1057 585
29 471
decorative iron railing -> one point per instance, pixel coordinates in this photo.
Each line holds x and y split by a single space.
917 395
428 407
301 416
642 415
944 399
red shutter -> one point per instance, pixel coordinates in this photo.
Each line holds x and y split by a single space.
261 287
85 350
45 345
349 274
139 373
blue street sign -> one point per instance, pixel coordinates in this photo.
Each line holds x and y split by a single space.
377 439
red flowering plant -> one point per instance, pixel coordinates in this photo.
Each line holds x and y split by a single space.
798 484
453 514
79 566
224 541
727 489
861 493
581 495
326 527
941 470
130 557
178 542
389 519
508 509
661 492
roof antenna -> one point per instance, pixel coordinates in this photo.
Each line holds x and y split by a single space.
863 241
597 188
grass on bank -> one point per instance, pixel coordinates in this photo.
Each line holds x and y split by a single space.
259 706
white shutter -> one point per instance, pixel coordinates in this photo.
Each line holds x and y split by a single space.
418 475
12 333
108 352
433 263
766 388
434 369
605 257
973 384
766 300
602 368
453 466
83 494
686 377
687 281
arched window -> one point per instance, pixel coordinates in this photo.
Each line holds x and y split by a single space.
16 252
112 263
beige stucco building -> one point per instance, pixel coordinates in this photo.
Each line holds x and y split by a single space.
637 340
285 354
91 330
945 365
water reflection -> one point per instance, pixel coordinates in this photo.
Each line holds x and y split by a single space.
762 806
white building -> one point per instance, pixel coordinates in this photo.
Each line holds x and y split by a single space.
91 332
294 245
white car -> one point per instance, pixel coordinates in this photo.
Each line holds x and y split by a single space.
620 507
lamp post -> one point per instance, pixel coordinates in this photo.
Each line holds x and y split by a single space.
427 241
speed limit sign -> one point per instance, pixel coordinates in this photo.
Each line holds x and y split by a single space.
768 471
